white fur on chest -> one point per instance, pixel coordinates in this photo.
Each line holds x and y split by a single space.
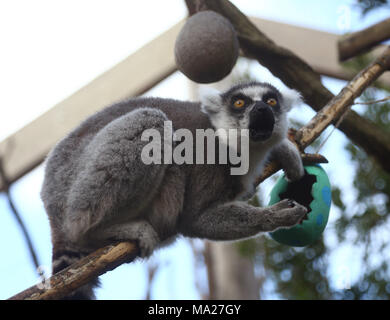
258 157
256 165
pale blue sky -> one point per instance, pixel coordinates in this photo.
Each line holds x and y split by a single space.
52 48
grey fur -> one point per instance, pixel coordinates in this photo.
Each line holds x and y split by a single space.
97 191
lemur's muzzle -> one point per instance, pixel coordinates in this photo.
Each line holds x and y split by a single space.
261 122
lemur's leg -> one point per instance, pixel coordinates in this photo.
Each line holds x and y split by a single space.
237 220
115 184
159 224
287 154
139 231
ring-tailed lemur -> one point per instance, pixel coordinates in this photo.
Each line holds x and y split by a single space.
97 190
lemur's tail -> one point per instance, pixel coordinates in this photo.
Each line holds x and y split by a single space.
63 259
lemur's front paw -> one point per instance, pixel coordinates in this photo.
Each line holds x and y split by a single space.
287 213
147 243
295 175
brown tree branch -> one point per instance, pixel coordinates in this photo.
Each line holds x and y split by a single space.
361 41
81 272
297 74
19 219
152 269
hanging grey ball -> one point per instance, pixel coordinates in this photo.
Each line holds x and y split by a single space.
206 48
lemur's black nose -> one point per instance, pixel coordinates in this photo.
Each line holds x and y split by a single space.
260 106
261 121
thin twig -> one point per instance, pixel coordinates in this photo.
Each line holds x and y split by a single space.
344 115
333 129
19 220
374 101
152 269
335 108
81 272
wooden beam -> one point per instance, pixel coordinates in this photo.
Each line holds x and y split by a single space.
28 147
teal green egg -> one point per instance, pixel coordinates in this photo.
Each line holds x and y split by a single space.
311 229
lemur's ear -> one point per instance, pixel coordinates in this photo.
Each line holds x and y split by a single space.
210 99
291 97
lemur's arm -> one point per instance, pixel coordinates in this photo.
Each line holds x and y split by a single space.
287 154
238 220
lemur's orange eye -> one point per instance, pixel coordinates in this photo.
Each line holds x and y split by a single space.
272 102
239 103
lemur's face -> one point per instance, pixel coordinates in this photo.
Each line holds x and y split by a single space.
256 106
